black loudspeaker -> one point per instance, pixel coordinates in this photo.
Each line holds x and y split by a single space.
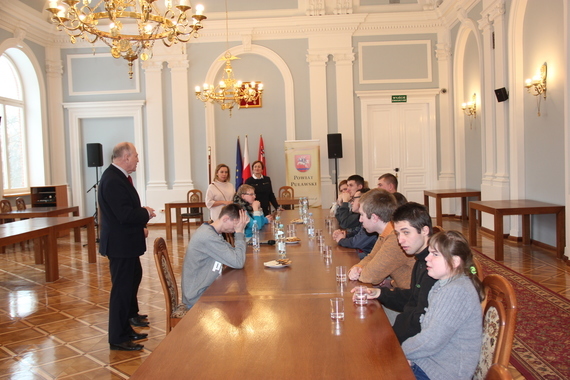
501 94
94 155
334 145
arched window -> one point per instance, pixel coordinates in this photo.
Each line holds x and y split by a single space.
12 128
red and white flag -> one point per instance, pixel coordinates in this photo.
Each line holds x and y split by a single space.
261 155
246 173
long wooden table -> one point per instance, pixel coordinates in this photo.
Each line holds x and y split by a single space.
453 193
523 207
263 323
45 232
42 212
177 206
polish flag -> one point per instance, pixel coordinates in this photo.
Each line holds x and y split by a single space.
246 173
261 155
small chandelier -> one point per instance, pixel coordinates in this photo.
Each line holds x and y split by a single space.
470 108
171 26
230 92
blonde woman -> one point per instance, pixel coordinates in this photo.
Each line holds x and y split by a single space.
220 192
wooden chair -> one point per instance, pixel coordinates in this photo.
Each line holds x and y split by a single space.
499 320
20 204
498 372
287 192
175 309
6 206
193 212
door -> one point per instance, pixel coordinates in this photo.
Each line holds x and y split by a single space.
400 137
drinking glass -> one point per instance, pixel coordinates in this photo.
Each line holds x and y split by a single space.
361 295
341 273
337 308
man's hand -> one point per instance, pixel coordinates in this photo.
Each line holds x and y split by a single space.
372 293
346 197
151 213
146 232
339 234
354 273
242 222
256 205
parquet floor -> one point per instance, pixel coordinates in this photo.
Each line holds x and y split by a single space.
59 330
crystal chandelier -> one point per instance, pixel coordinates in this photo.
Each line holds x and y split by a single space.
230 92
83 21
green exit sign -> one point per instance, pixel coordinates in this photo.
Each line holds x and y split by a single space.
399 98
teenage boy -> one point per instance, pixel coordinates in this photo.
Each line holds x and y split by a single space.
404 307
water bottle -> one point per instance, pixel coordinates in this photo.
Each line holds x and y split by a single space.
311 226
276 223
281 247
255 236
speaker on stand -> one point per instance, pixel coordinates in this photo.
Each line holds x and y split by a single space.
334 147
95 159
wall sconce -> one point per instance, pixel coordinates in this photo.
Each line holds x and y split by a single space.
537 85
470 108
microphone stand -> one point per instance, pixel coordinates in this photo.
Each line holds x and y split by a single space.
96 213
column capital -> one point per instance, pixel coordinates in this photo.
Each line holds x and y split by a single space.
152 66
344 57
485 24
442 51
317 59
179 65
54 68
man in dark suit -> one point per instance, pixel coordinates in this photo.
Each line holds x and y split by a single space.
123 241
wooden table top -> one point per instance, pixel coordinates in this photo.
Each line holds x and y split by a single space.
453 192
516 206
32 212
184 203
259 322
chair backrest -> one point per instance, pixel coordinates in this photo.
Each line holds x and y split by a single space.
499 320
5 205
20 204
286 192
167 279
194 196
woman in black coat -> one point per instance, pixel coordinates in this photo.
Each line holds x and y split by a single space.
263 188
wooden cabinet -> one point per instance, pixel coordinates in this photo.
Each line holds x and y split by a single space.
49 196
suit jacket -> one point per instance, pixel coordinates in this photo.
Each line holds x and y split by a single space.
121 217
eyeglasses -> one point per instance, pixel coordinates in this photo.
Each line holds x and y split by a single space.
249 194
356 197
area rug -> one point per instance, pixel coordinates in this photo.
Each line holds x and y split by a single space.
541 347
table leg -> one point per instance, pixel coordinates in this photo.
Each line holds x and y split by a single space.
168 222
472 227
51 259
526 229
179 231
91 252
439 214
426 201
560 233
463 208
499 243
38 254
77 230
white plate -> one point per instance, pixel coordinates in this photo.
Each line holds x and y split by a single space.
293 242
275 264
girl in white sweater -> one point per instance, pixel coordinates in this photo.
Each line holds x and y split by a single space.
449 343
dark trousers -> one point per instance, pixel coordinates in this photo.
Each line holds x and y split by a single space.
126 275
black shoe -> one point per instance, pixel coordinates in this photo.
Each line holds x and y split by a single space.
138 336
142 316
138 322
127 346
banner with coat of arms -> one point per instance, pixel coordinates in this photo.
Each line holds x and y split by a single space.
302 158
